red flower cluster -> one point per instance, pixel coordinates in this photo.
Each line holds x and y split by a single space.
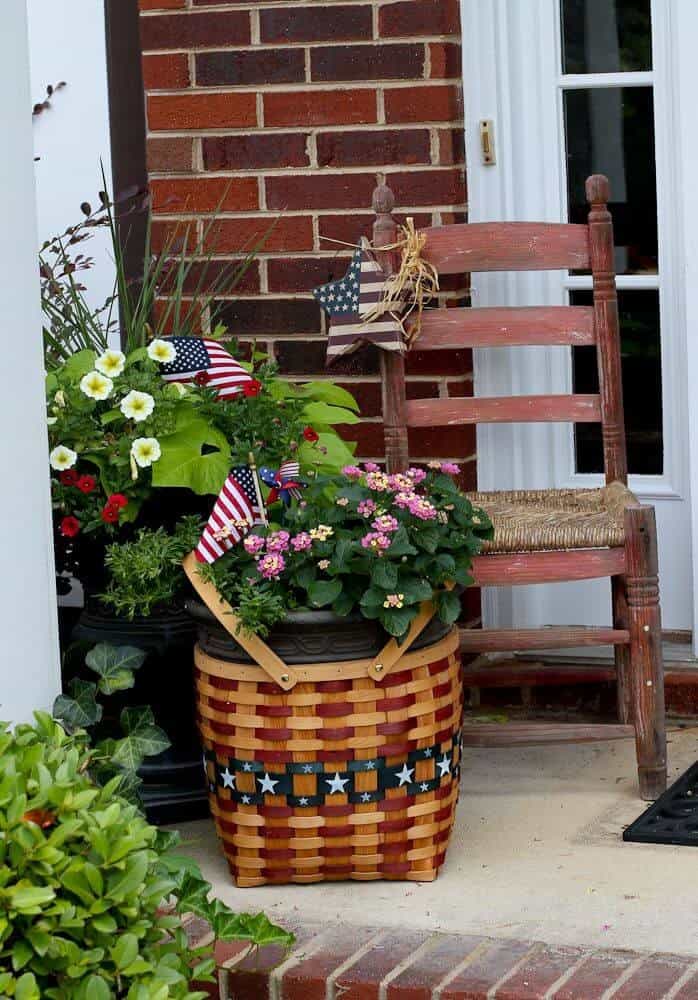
86 484
113 507
69 478
311 435
70 526
252 388
201 378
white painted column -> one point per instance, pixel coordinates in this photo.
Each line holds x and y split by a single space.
29 657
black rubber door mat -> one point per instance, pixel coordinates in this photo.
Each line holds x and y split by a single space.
673 818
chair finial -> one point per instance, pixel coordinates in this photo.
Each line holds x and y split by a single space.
598 189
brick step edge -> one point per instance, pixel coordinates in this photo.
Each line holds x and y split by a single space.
344 962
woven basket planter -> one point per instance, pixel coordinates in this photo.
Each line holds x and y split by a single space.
329 770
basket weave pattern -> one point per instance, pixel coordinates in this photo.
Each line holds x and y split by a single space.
339 778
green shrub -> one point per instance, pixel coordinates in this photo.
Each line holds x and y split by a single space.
89 893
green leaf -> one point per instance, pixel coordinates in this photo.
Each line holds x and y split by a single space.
372 598
124 951
115 665
143 738
110 416
29 899
27 988
448 606
97 989
81 710
427 539
324 592
196 456
125 883
337 453
414 590
396 621
21 953
344 604
384 574
328 392
343 551
400 545
324 413
79 364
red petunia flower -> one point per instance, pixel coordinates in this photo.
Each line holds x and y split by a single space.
252 388
117 500
311 435
201 378
44 818
110 515
70 526
69 477
86 484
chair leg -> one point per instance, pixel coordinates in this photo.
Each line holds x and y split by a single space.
621 653
646 666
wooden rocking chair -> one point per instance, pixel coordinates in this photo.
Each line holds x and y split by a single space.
547 536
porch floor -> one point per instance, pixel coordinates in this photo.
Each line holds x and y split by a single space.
536 855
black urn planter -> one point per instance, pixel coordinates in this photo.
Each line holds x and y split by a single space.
173 782
308 636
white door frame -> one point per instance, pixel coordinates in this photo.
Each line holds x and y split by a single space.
511 60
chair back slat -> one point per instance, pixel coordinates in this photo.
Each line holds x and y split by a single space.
451 329
507 246
578 409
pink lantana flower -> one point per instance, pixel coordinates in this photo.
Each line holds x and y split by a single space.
394 601
398 481
301 542
271 565
253 544
375 541
366 508
450 468
371 467
404 499
378 482
385 523
324 564
416 475
422 509
277 541
352 472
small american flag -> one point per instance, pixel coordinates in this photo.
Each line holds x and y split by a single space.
346 301
209 360
235 511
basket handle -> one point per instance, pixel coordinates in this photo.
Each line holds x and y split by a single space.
255 647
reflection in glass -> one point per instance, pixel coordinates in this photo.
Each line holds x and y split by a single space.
642 385
611 131
606 36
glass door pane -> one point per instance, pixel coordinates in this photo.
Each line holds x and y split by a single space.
606 36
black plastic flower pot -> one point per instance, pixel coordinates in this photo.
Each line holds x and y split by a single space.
173 782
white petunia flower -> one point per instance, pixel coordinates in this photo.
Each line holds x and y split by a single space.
145 451
62 458
111 363
51 421
162 351
137 405
96 386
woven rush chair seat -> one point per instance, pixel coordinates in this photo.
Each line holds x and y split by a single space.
555 520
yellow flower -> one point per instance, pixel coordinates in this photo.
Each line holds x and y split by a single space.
162 350
145 451
111 363
62 458
96 386
137 406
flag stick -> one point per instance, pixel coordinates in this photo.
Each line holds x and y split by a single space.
253 470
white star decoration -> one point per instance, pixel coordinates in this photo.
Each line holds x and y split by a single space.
228 779
267 784
245 800
424 787
308 769
405 775
303 801
428 752
365 797
336 784
444 765
370 765
247 767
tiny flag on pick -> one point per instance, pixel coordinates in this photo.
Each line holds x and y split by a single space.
350 299
236 510
203 359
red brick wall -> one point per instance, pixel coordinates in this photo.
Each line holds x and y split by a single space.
299 104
